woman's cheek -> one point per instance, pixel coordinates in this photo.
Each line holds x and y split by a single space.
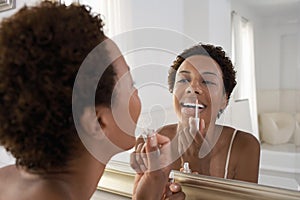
135 107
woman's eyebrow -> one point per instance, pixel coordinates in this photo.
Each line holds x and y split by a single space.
184 72
209 73
204 73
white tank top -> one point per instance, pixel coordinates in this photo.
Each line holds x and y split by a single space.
229 153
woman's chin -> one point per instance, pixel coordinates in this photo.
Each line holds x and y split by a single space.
129 144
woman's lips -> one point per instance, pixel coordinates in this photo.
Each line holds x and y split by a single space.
193 105
189 108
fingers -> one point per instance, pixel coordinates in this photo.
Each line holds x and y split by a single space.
175 187
191 133
141 157
202 127
176 196
193 124
134 165
138 159
186 138
158 151
139 140
198 134
152 155
174 192
157 140
168 192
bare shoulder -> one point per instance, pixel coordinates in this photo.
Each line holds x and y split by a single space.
246 147
246 155
16 186
245 139
49 190
7 174
168 130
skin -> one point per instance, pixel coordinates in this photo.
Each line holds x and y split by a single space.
79 179
200 77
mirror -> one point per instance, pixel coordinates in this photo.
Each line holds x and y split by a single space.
276 43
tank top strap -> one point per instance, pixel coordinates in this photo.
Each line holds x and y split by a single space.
229 153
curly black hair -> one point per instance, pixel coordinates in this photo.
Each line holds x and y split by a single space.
41 50
216 53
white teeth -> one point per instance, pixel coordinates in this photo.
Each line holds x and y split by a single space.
200 106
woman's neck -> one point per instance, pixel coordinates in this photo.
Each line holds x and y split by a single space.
79 178
85 175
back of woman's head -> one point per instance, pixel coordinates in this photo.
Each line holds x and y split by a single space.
41 50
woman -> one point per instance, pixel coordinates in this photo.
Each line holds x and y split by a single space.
201 80
41 51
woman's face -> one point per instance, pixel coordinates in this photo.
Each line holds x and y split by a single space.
199 78
126 106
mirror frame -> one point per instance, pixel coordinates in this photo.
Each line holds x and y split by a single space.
118 179
7 5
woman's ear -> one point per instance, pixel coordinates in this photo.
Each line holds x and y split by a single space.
224 102
95 121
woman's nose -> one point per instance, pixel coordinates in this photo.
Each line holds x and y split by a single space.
194 88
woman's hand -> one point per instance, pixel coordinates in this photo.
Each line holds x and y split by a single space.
173 192
151 160
193 146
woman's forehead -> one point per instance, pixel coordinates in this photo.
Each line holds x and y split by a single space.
200 63
121 62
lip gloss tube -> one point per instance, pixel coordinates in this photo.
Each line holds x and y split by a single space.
171 177
150 134
186 168
196 115
147 133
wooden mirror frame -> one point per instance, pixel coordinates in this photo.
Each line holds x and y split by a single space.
118 179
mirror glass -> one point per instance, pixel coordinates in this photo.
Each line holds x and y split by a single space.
276 31
277 65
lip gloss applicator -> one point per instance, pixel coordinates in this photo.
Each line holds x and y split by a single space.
196 115
150 134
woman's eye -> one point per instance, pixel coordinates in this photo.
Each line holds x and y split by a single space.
184 80
208 82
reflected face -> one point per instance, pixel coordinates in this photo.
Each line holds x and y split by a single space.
126 106
199 78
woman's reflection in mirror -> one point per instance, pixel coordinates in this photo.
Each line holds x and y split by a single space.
201 80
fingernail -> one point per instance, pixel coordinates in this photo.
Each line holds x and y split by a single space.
153 140
174 187
144 137
203 123
157 152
